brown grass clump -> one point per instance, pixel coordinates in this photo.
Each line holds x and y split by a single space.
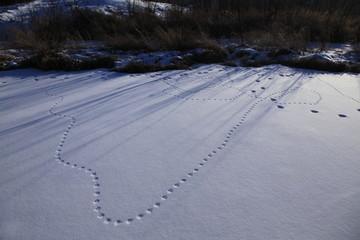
322 65
130 42
4 61
46 61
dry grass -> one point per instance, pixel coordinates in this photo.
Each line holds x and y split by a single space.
47 60
4 61
130 42
184 30
317 64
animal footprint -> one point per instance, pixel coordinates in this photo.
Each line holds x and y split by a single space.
314 111
342 115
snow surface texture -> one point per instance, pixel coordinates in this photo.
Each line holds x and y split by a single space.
212 153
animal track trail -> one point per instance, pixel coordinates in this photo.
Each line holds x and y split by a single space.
183 94
58 156
200 164
320 98
342 94
303 102
337 90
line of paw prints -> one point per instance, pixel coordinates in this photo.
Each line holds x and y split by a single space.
58 157
183 94
302 103
252 84
254 92
281 105
124 221
341 93
172 82
202 163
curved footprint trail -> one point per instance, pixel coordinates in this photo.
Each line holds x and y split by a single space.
342 94
338 91
165 196
189 94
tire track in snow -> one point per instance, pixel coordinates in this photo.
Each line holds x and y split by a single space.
115 221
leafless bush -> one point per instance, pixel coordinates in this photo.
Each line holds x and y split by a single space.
318 64
48 60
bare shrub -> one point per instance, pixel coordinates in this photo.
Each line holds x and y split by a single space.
47 60
279 52
4 61
130 42
318 64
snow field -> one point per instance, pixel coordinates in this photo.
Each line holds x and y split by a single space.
212 153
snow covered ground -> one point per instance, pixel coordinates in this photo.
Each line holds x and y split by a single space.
17 12
211 153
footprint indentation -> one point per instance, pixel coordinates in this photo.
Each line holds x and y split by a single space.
342 115
130 220
281 107
314 111
117 222
157 204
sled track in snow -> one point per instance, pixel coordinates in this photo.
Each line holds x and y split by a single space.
201 163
